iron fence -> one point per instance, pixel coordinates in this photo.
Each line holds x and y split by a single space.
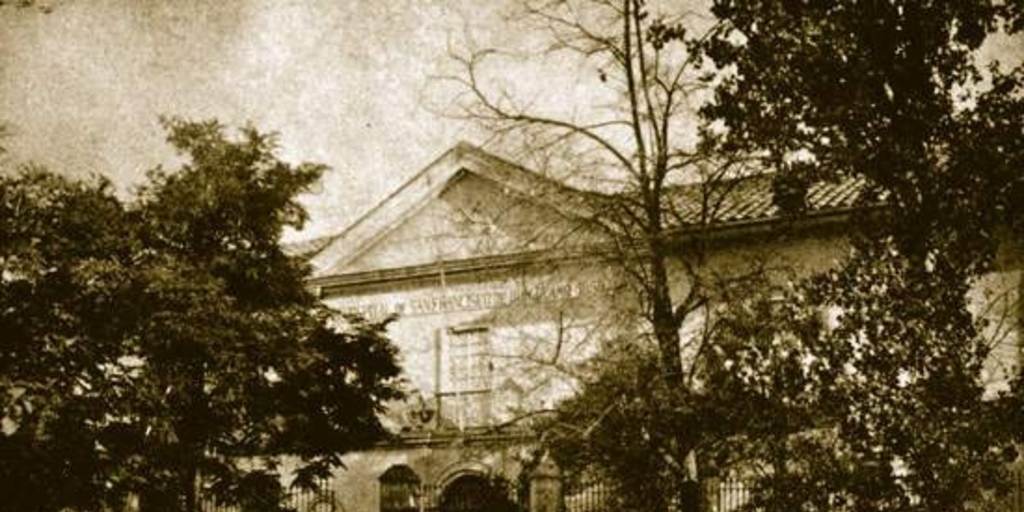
728 495
719 495
589 496
321 500
723 495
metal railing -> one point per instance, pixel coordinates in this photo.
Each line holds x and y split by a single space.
322 500
729 494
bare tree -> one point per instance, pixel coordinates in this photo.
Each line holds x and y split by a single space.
654 190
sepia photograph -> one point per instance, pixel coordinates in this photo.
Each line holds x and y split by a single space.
511 256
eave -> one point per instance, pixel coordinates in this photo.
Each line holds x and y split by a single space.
328 286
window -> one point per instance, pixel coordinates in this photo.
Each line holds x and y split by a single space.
465 376
469 365
399 489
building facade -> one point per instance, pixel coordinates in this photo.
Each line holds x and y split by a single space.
495 303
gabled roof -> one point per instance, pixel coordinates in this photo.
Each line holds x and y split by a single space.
308 248
725 204
333 250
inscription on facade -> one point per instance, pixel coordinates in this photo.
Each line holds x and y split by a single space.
470 299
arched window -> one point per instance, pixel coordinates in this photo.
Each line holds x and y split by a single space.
399 489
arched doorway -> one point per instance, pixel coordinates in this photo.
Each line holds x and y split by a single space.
474 493
399 490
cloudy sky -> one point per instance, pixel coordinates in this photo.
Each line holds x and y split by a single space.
342 82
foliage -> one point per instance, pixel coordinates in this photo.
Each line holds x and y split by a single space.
65 254
150 344
882 410
769 386
891 92
879 407
606 427
618 427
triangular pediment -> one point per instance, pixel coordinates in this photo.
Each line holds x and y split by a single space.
466 204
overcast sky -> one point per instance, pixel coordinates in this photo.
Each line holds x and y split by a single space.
341 81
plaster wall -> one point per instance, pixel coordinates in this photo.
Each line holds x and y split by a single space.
357 489
471 217
540 314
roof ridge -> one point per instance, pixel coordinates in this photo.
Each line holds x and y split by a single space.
461 147
736 202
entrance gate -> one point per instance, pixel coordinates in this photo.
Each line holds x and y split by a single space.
473 493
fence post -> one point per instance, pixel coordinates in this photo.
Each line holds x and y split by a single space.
546 486
689 497
709 494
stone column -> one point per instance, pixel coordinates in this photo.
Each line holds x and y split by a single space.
546 487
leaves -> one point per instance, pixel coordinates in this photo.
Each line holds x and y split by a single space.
139 337
891 92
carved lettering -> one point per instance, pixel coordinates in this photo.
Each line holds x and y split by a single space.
440 302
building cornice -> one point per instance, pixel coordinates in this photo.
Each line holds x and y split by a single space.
328 286
436 438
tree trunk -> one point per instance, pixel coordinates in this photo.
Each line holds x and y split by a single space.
193 436
666 329
188 485
666 332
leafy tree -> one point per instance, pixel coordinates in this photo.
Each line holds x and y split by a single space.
66 254
891 92
833 417
168 348
772 400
